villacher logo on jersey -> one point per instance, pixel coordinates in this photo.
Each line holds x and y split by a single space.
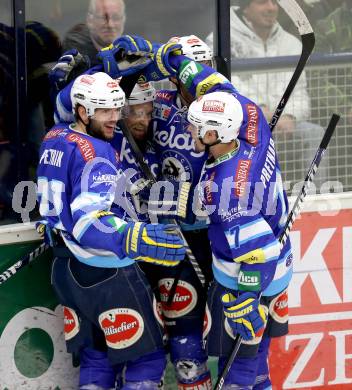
122 327
71 323
184 301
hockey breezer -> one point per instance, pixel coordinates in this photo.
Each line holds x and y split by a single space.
288 226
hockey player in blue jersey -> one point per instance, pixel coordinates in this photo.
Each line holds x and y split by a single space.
247 218
106 298
178 162
241 190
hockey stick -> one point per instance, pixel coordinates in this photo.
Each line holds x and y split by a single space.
306 33
149 175
305 30
288 226
13 269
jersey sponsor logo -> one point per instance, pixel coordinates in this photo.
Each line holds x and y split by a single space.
208 189
179 140
71 323
256 256
278 308
53 133
85 146
52 157
213 106
241 177
122 327
185 298
104 178
209 82
269 164
252 125
249 281
164 95
188 73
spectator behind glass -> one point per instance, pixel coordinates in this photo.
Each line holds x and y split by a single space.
255 33
105 22
334 32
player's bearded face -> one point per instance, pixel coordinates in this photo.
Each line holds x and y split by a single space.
102 124
138 118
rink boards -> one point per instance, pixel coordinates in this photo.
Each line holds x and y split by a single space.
316 354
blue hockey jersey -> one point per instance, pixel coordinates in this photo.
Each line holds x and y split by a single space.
136 209
79 177
243 194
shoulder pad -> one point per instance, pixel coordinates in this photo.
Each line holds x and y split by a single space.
56 131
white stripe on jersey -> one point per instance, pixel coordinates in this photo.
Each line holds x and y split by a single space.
228 268
272 251
89 199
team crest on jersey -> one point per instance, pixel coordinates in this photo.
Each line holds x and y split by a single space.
122 327
71 323
278 308
176 166
185 298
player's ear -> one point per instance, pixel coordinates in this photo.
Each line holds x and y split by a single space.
82 114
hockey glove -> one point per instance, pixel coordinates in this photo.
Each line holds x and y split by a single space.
155 244
172 199
244 314
160 67
133 44
69 65
127 55
45 232
131 54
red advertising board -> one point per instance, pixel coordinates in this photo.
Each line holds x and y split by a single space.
317 353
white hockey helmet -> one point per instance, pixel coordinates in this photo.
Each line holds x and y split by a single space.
219 111
142 93
97 90
194 48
